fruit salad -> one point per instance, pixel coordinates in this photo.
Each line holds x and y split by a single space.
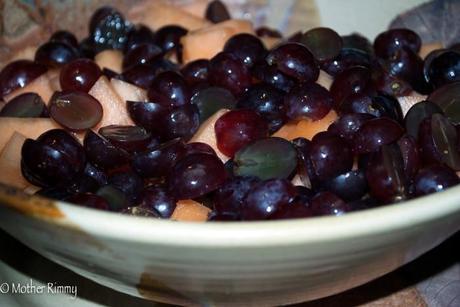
184 113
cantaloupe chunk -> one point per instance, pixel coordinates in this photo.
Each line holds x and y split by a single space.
207 42
324 79
27 53
10 162
270 42
111 59
114 108
41 86
196 8
29 127
427 48
2 104
306 128
128 91
190 211
53 77
156 15
407 102
207 134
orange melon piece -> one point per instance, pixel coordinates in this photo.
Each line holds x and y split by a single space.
207 134
53 77
2 104
128 91
27 53
324 79
10 162
156 15
111 59
427 48
407 102
207 42
190 211
41 86
29 127
270 42
196 8
114 108
306 128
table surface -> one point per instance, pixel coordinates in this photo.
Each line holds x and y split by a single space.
432 280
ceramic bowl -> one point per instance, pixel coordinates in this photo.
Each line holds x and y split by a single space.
230 264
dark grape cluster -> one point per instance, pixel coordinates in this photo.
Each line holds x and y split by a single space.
371 155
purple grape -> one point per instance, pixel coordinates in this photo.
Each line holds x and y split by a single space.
410 154
115 198
268 32
138 36
196 71
79 75
375 133
247 48
89 200
82 183
271 75
227 71
327 203
217 12
444 68
182 122
347 125
222 217
447 97
198 147
294 210
434 178
169 89
158 200
96 174
386 43
230 196
385 82
268 101
330 156
25 105
308 100
347 58
351 81
157 162
55 54
358 42
18 74
75 110
209 100
102 153
349 186
129 138
295 61
65 37
129 183
148 115
196 175
141 54
168 37
386 176
140 75
266 198
324 43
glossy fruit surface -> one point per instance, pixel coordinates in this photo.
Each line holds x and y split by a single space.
434 178
75 110
230 196
108 29
266 158
141 54
351 81
294 60
196 175
266 198
182 121
169 89
375 133
168 37
268 101
237 128
246 47
55 54
138 36
25 105
444 69
347 58
149 115
101 153
18 74
79 75
196 71
271 75
447 97
129 138
227 71
349 186
212 99
309 100
327 203
158 200
324 43
417 113
386 43
64 37
217 12
89 200
129 183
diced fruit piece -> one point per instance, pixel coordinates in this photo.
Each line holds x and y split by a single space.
29 127
25 105
407 102
53 77
266 158
196 7
270 42
10 162
156 15
114 108
306 128
41 86
18 74
74 110
129 138
111 59
207 134
427 48
55 54
190 211
207 42
128 91
324 79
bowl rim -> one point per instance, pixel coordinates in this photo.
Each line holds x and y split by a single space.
431 208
